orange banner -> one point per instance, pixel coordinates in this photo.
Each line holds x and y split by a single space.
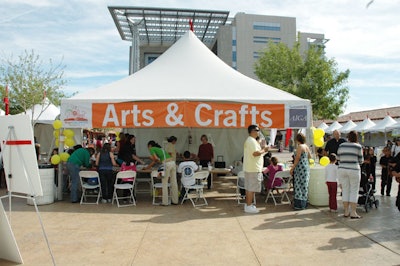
187 114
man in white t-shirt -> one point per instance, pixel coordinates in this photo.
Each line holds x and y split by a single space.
253 162
186 169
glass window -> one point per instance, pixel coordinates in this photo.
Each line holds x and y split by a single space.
271 26
264 39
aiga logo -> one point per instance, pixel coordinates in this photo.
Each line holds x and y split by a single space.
298 118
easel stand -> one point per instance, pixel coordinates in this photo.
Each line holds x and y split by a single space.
8 246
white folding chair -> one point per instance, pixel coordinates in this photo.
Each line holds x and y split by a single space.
91 186
143 179
239 186
195 182
125 180
156 185
286 178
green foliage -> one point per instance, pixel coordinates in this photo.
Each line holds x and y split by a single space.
310 76
29 80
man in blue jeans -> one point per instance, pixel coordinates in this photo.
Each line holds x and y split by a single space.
80 157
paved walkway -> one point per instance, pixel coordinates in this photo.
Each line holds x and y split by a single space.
220 234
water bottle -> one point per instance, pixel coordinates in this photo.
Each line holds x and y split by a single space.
209 166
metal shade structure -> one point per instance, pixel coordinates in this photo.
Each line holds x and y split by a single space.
164 26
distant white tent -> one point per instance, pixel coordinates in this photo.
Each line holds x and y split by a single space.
323 126
394 126
2 112
44 113
334 126
364 126
382 125
348 127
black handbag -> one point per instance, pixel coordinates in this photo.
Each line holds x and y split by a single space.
220 163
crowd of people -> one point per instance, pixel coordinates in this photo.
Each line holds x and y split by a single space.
106 154
350 165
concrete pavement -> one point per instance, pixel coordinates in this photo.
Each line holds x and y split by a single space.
219 234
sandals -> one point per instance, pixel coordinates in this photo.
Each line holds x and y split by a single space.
356 217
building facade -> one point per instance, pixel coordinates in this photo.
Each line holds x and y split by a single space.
240 42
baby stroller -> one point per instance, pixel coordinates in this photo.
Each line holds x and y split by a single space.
366 194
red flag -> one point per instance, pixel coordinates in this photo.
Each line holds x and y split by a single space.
288 136
191 24
6 102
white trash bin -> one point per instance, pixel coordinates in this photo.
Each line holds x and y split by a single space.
46 173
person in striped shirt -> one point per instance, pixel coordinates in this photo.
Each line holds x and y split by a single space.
350 158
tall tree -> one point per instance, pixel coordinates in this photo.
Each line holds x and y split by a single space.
30 81
311 76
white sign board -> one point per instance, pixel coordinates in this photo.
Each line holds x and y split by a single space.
8 246
19 156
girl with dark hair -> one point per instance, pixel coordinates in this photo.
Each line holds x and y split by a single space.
127 153
105 162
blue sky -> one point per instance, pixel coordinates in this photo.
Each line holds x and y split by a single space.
82 34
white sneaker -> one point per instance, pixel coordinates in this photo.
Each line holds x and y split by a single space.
250 209
103 201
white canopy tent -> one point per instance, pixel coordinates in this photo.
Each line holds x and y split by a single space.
332 127
2 112
44 113
364 126
323 126
43 117
188 91
382 125
349 126
394 126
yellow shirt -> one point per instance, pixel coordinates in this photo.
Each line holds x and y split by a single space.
252 163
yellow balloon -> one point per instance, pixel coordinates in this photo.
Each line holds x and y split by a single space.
57 142
55 159
311 161
117 133
69 142
69 133
117 138
324 161
312 129
319 133
56 133
57 124
319 142
64 156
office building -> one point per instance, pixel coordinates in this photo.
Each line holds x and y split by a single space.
238 41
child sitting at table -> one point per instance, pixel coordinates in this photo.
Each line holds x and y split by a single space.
186 168
331 175
272 169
